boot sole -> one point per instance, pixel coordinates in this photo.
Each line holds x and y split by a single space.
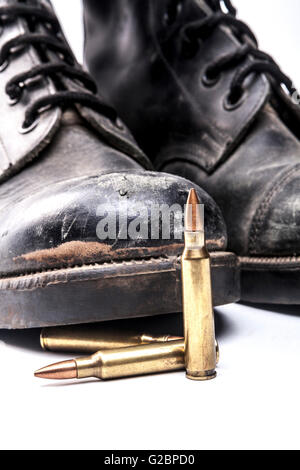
270 280
108 291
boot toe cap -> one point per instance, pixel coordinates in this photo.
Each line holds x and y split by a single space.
276 226
62 226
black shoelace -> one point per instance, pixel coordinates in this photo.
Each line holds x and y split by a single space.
67 67
261 62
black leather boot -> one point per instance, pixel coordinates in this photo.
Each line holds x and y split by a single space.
203 102
64 156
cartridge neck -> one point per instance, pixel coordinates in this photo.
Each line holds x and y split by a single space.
194 240
89 366
195 247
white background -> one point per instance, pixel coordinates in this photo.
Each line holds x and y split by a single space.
254 402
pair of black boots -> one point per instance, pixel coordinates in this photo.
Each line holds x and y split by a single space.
208 109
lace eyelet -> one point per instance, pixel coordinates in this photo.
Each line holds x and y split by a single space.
210 81
231 105
16 90
13 101
119 124
4 66
26 130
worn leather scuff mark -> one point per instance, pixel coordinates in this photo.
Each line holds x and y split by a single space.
77 252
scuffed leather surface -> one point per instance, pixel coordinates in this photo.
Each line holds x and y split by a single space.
251 186
52 224
246 158
74 151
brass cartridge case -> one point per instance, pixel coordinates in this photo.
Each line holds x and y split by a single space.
132 361
199 327
95 337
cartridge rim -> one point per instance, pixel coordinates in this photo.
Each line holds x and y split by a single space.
43 340
201 378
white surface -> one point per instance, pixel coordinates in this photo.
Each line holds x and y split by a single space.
254 402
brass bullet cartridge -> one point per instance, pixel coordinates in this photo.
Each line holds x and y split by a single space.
96 337
120 362
199 328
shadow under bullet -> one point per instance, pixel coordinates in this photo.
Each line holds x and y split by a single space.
25 339
171 324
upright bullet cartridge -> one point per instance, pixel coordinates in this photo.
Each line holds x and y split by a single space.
199 328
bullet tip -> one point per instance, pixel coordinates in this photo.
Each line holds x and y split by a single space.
193 197
194 213
59 371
